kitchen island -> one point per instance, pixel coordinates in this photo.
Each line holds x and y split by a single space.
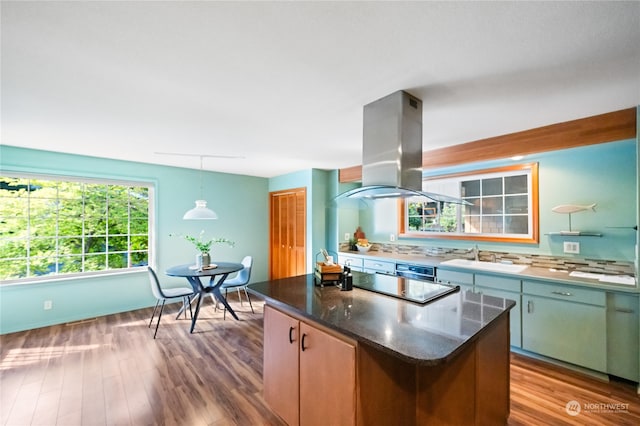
360 357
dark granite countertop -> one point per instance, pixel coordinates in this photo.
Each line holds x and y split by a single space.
420 334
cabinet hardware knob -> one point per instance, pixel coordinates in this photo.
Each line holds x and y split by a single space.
624 310
291 334
529 306
302 342
562 293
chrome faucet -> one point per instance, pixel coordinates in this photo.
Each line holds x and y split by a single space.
474 250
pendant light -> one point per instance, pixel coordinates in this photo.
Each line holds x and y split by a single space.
200 211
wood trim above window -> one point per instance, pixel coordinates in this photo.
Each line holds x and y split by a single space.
603 128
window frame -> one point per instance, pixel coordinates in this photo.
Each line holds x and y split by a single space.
532 238
150 187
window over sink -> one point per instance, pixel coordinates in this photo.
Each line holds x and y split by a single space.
503 206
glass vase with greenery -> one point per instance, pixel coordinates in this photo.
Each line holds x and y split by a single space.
203 258
204 246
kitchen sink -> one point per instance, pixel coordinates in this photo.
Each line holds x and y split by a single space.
485 266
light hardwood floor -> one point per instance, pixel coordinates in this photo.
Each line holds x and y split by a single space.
111 371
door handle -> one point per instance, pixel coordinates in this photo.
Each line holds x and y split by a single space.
291 334
302 342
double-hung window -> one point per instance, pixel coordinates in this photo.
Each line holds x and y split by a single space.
55 226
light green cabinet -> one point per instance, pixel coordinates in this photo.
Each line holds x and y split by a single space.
622 335
463 279
565 322
506 288
355 263
589 327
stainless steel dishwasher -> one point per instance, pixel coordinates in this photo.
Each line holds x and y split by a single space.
416 272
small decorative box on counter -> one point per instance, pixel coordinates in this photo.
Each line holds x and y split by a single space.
327 273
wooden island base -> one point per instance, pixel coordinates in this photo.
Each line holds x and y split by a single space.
471 388
362 358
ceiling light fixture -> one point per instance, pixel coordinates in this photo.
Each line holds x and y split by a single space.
200 211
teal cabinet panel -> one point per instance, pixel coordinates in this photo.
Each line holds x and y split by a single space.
564 292
463 279
515 315
355 263
498 282
622 336
568 331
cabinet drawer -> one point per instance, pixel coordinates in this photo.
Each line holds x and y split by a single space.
379 266
564 292
353 262
454 277
499 283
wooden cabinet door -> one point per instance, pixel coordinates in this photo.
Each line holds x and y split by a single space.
327 379
280 366
287 246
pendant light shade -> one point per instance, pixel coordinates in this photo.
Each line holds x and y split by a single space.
200 212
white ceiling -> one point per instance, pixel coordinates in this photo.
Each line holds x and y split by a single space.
282 84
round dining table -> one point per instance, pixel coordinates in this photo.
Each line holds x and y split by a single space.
217 273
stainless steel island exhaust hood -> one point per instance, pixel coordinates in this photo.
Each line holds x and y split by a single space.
392 151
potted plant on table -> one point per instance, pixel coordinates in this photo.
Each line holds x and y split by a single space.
203 258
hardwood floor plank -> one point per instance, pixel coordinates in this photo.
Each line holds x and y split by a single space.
115 402
111 371
46 411
24 405
135 393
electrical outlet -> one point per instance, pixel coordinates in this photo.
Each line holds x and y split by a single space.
571 247
392 237
347 236
48 304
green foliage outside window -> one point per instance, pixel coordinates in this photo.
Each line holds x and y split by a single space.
52 226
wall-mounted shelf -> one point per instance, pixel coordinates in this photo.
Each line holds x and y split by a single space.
575 234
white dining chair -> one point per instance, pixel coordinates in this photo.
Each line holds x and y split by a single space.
162 294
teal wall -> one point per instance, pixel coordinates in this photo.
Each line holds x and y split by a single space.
241 203
605 174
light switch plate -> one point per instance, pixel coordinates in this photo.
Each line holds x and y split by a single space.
392 237
571 247
346 236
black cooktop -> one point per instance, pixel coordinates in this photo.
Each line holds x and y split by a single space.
403 288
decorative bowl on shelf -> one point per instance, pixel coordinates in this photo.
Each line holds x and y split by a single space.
363 249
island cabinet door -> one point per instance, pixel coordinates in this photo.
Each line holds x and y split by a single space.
280 367
327 379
